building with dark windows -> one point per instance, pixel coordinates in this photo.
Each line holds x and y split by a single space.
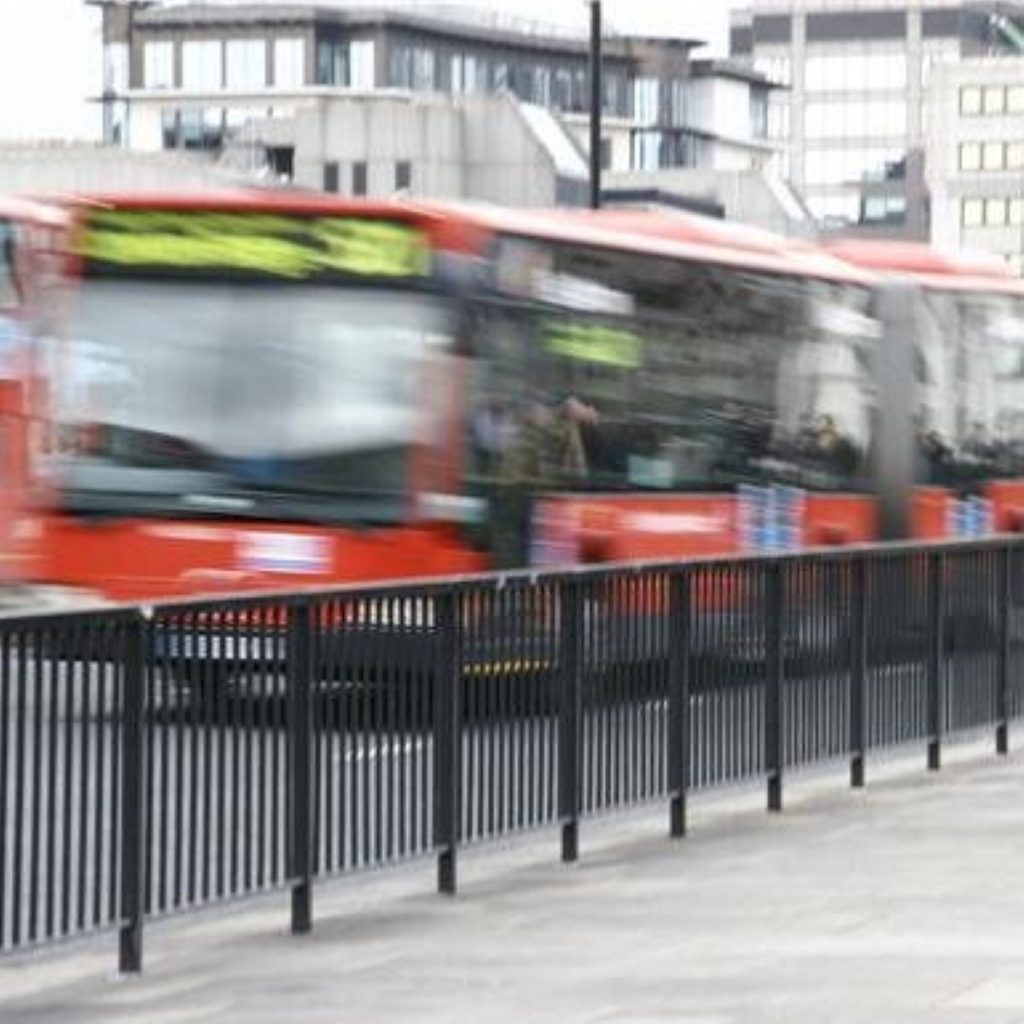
975 157
852 121
193 75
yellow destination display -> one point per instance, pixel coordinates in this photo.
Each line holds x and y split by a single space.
298 248
595 343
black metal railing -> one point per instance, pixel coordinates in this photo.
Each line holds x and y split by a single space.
158 759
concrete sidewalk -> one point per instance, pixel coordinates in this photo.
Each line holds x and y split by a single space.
902 903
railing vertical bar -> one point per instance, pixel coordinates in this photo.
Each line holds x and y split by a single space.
1004 598
937 566
570 642
132 831
774 626
446 760
679 699
300 660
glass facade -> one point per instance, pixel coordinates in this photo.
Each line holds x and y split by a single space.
412 67
115 67
853 71
202 65
158 65
363 63
246 63
289 63
844 166
332 63
856 118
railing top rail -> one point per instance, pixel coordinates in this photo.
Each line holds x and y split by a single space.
432 587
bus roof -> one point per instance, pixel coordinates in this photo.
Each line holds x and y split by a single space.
257 201
464 226
691 239
928 266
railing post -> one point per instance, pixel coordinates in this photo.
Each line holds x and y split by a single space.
570 716
446 744
775 624
679 700
936 653
133 853
300 728
1004 599
858 671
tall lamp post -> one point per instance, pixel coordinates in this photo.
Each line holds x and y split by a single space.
595 104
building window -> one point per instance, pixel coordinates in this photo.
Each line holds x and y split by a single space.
970 156
412 68
363 64
1015 99
281 160
970 100
202 65
403 175
158 65
359 178
246 63
992 156
331 62
606 154
115 67
561 91
169 128
289 63
542 86
758 114
474 74
1016 212
884 210
1015 156
993 99
646 100
856 72
331 177
995 212
423 69
202 129
400 67
972 213
115 122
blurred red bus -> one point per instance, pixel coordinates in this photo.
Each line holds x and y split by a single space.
31 240
963 325
270 390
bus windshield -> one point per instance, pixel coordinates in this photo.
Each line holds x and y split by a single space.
231 395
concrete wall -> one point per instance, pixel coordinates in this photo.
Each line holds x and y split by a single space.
45 169
380 132
747 196
474 148
720 106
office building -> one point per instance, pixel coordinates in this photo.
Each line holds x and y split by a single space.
853 119
192 75
975 157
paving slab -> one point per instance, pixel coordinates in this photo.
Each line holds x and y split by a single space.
902 903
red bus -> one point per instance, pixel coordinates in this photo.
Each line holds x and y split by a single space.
31 239
963 318
267 390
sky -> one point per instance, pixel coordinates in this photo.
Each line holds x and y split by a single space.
50 53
